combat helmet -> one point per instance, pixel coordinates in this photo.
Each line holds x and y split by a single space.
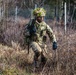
39 12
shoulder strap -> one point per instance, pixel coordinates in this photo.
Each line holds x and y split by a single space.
32 28
33 22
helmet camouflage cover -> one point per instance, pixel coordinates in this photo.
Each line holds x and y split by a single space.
39 12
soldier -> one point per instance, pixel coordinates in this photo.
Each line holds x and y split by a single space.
37 30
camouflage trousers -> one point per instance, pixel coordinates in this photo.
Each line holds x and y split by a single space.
38 50
36 47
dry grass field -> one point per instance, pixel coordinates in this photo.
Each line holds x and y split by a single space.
14 60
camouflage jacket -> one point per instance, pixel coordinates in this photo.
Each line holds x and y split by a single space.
41 30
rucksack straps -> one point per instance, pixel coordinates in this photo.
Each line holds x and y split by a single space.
31 28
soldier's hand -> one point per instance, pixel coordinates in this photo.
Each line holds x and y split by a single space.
54 45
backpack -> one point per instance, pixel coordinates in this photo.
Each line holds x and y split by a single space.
31 30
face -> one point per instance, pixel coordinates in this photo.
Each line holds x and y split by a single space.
40 19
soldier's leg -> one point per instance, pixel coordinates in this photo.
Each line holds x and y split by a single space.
37 50
43 59
35 47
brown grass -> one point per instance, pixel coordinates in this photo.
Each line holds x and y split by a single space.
15 61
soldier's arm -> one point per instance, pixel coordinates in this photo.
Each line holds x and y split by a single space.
52 37
50 34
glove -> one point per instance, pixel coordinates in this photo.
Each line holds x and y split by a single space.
54 45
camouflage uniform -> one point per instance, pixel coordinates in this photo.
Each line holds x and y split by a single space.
37 41
41 30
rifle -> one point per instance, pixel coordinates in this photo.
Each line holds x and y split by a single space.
32 30
28 47
28 42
